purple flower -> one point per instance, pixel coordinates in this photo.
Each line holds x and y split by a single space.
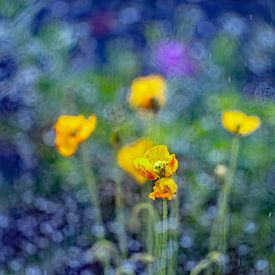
173 59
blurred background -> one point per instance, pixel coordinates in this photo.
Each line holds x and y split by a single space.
80 56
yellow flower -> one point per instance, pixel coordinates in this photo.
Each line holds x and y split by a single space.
148 93
128 153
239 123
156 163
165 188
71 131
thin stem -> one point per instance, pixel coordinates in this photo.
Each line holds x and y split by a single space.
152 129
173 236
92 187
150 218
164 236
218 239
211 258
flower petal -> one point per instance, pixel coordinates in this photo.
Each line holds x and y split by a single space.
165 188
87 128
157 153
144 90
68 124
66 146
239 123
172 166
127 154
145 168
250 124
232 120
70 131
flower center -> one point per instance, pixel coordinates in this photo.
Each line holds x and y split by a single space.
154 104
160 167
237 129
73 132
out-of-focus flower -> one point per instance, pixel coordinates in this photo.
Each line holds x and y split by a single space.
156 163
173 59
237 122
71 131
221 170
148 93
127 154
165 188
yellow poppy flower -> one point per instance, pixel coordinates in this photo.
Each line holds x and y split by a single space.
127 154
148 93
71 131
156 163
165 188
239 123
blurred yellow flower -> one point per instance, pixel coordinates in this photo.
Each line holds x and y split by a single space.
71 131
156 163
165 188
127 154
148 93
239 123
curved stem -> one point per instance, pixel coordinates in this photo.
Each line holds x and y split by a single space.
150 220
212 257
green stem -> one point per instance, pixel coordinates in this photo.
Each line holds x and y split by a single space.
92 187
218 239
173 236
149 219
164 237
204 264
152 129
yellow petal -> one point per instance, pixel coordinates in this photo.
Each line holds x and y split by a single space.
127 154
145 168
172 166
237 122
70 131
68 124
66 146
157 153
164 188
144 90
250 124
87 128
232 120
